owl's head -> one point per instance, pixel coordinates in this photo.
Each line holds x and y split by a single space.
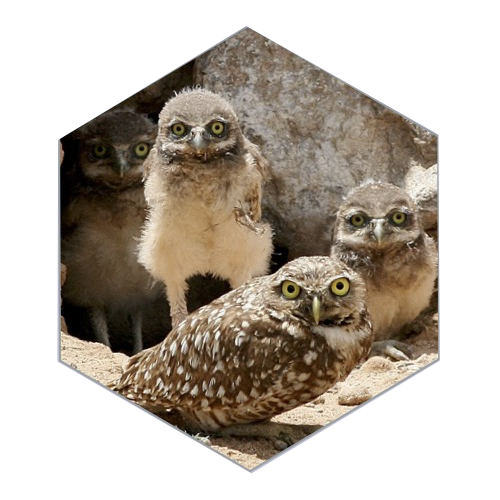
112 149
318 291
377 216
198 125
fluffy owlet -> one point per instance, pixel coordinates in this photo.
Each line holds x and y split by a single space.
103 209
378 233
203 189
267 347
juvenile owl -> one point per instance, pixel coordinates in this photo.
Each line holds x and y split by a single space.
378 233
203 189
103 209
267 347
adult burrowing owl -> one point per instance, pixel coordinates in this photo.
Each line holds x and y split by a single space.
271 345
203 189
378 233
103 209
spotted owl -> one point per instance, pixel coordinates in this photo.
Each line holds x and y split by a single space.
103 209
267 347
203 189
379 234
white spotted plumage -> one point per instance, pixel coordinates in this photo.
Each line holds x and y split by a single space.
254 366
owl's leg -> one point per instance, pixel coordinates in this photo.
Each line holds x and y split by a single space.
176 296
99 325
136 324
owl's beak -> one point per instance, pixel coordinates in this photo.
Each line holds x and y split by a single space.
316 309
122 166
198 141
378 230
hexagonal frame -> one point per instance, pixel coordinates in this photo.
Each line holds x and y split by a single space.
349 412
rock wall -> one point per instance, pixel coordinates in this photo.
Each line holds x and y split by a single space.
321 136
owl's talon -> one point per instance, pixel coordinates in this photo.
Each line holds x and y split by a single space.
203 439
392 349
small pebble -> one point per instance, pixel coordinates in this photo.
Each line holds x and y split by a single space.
351 396
280 445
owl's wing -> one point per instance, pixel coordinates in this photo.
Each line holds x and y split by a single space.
218 356
250 211
75 211
260 162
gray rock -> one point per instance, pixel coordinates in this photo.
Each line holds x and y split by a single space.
321 136
422 185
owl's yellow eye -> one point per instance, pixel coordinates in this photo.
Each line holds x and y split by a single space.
100 150
340 286
141 150
178 129
357 220
290 290
398 218
217 128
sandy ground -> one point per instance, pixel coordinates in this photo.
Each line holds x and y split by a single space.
366 381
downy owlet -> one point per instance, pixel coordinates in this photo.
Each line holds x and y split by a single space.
203 190
102 213
378 234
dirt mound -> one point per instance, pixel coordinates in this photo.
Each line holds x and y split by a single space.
365 382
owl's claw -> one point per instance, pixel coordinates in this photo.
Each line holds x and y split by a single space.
203 439
397 351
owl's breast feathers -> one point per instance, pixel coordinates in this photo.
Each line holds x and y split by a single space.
227 188
396 262
228 356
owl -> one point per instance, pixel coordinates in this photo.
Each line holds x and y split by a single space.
378 233
203 190
103 209
275 343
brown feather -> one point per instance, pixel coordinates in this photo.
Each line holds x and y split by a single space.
252 353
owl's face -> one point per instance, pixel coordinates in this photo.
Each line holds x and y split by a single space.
377 216
198 125
317 291
113 147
